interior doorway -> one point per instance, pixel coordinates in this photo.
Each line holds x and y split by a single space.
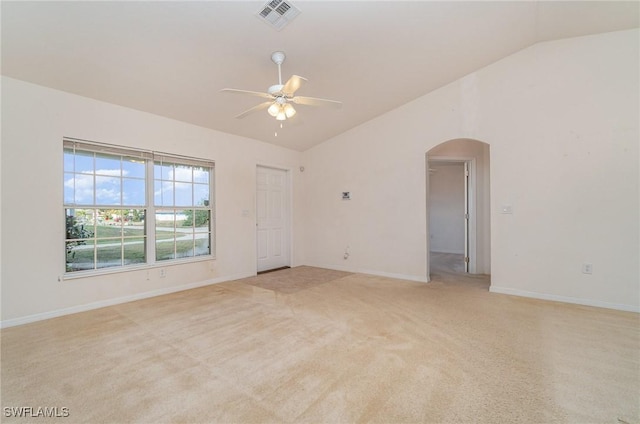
449 214
273 216
458 209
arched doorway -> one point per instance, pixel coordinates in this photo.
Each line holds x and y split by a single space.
458 207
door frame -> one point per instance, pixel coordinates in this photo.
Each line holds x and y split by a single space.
288 211
472 202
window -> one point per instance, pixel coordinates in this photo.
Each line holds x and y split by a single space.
182 210
125 207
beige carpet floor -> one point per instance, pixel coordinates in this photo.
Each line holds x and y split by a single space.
296 279
336 349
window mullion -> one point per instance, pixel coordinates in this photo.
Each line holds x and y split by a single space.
93 176
95 229
175 225
213 227
122 215
150 214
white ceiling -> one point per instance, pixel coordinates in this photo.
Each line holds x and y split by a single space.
172 58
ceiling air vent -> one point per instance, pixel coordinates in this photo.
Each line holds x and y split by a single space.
278 13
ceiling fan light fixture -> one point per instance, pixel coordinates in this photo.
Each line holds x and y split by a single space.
274 109
289 111
281 96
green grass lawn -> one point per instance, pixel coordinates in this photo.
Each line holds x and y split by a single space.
82 257
107 256
112 233
103 231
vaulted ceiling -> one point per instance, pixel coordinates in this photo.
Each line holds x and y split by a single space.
173 58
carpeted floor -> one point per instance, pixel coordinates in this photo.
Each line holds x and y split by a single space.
336 348
296 279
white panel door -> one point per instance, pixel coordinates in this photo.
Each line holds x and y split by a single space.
272 218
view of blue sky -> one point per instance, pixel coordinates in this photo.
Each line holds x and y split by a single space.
121 181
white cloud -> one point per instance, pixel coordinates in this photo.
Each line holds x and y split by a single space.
107 191
181 174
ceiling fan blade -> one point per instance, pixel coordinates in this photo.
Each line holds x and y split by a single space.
252 93
292 85
254 109
313 101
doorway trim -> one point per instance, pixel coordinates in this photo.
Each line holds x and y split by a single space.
472 206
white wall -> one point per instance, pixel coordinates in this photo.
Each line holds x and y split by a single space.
562 121
34 121
446 207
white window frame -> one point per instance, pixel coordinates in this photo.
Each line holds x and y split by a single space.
162 158
150 158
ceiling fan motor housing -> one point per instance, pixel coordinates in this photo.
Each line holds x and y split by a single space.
278 57
275 89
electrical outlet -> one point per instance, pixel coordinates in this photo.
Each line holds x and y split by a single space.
163 272
587 268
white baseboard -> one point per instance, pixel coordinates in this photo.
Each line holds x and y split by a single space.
371 272
110 302
565 299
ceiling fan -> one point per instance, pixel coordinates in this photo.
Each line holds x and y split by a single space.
281 96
